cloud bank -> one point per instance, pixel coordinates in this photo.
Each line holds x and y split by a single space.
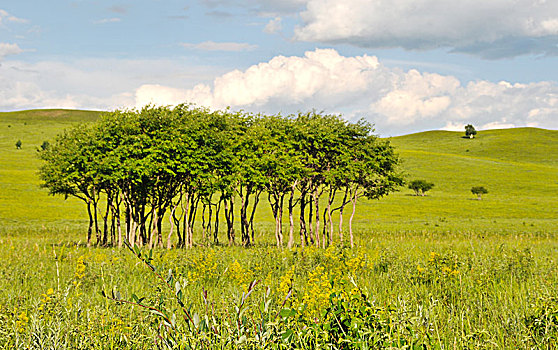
396 101
491 29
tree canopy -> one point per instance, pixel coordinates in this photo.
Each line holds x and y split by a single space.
187 163
479 191
470 131
420 186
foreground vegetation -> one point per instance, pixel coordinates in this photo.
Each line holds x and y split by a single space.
420 292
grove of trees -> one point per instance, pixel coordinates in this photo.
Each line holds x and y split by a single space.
136 168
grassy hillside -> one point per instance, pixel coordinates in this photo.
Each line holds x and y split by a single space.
519 167
22 202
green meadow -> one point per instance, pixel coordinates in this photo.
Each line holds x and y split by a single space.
440 271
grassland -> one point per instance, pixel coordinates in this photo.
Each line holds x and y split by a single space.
440 271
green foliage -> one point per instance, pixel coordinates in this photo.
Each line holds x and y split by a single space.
45 145
470 131
420 186
479 191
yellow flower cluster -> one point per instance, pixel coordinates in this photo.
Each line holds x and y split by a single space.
203 266
22 321
46 298
286 282
80 268
356 263
318 289
239 274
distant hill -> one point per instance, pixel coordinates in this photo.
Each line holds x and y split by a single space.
66 115
523 145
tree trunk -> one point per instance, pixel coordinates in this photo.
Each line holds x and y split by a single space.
171 220
216 230
302 220
229 216
186 221
343 203
90 228
353 200
256 201
291 220
105 221
152 233
310 216
317 209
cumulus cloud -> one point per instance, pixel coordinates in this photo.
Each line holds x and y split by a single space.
396 101
223 46
491 29
7 49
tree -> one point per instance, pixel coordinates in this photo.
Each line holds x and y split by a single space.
470 131
18 144
45 145
420 186
479 191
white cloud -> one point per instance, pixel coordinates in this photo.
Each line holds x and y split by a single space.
7 49
111 83
273 26
492 29
5 16
396 101
223 46
107 20
498 125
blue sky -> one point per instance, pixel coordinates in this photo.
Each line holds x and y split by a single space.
404 65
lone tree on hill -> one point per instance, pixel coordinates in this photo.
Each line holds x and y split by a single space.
479 191
470 131
18 144
420 186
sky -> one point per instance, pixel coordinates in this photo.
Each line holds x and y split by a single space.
404 65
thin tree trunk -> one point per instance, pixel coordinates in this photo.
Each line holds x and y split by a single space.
90 228
310 216
354 199
317 209
256 201
171 219
204 207
186 224
216 230
291 220
152 233
343 203
105 222
280 221
302 220
97 231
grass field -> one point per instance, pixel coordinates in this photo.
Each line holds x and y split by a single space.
444 271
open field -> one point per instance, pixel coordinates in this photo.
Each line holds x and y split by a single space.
441 271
